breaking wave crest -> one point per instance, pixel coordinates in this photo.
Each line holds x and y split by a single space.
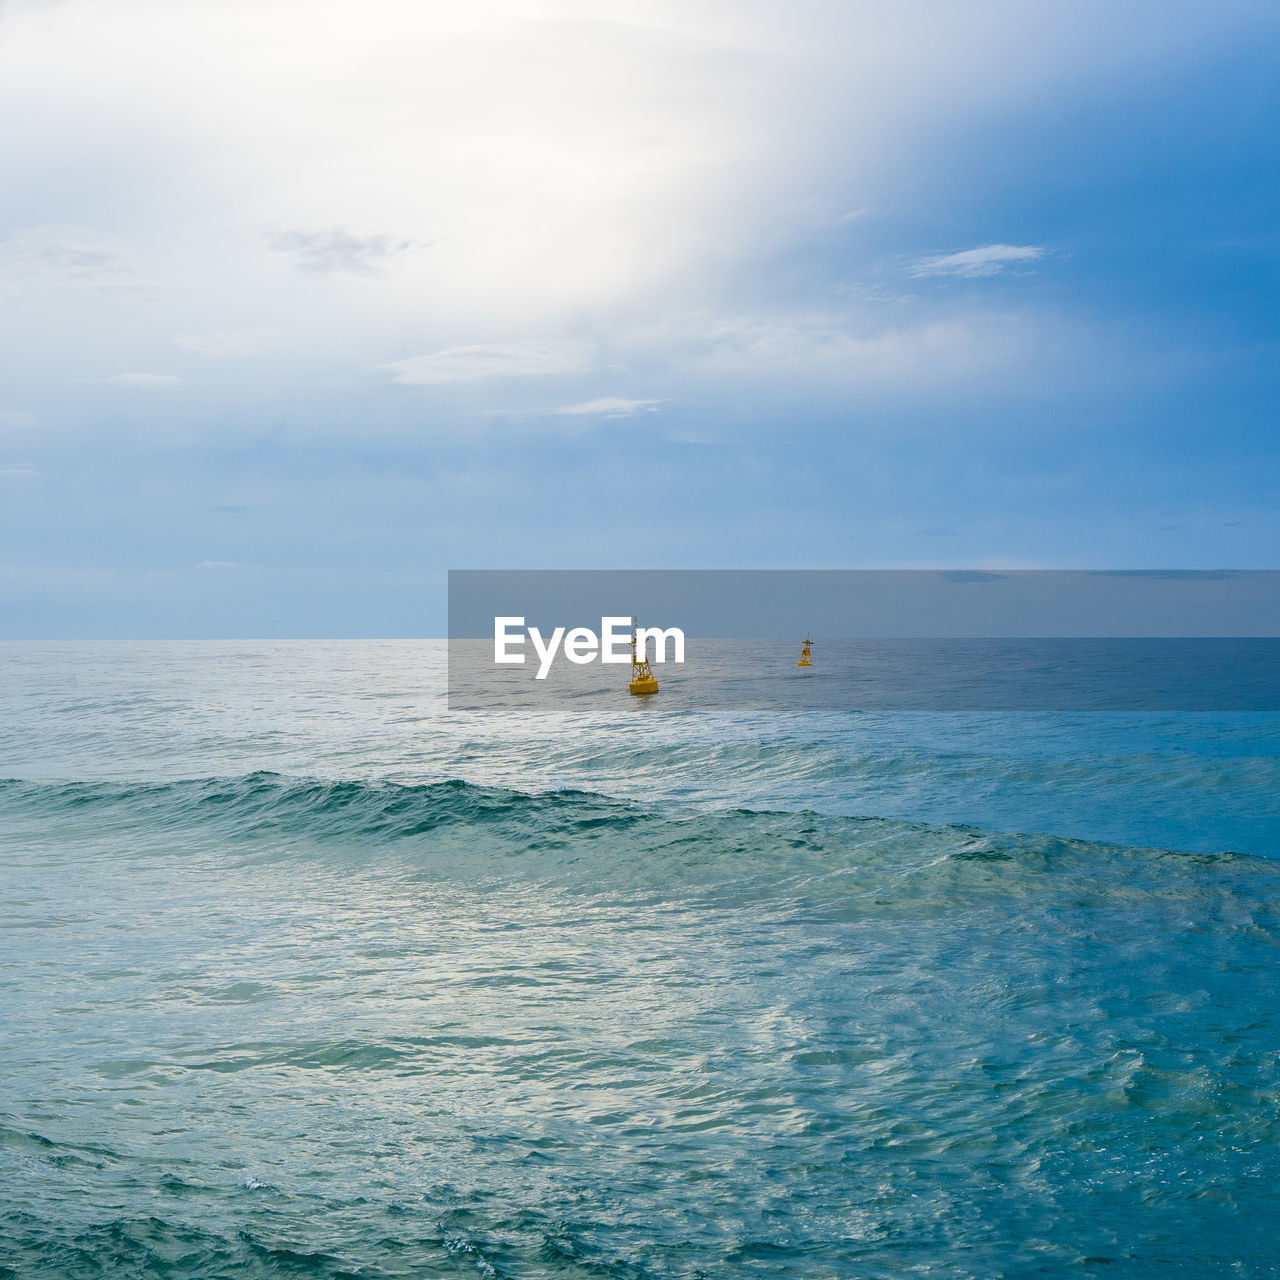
456 827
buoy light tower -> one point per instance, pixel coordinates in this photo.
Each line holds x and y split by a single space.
806 653
642 678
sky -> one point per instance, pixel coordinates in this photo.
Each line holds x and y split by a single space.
304 303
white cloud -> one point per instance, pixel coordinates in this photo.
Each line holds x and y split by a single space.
971 263
145 381
18 418
823 213
64 256
19 471
337 249
221 564
582 170
492 360
608 407
918 354
568 160
226 344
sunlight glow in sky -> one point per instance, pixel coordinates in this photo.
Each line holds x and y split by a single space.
303 303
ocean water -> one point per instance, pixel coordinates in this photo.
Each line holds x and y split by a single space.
303 975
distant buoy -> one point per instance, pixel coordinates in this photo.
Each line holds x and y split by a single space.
642 677
806 653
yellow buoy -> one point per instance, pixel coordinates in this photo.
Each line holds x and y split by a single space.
642 679
806 653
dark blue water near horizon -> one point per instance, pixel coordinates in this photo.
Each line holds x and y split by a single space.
302 974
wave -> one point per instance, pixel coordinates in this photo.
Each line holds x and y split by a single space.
263 802
460 829
443 1028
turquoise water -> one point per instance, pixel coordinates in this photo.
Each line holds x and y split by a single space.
301 975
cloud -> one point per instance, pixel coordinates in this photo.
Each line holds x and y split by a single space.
226 344
990 260
63 256
218 565
607 407
337 250
145 381
19 471
916 354
825 213
493 360
18 418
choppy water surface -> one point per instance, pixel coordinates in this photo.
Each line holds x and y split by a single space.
302 976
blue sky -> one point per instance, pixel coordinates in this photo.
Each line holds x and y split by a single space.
301 305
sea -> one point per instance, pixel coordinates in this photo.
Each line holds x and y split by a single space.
304 974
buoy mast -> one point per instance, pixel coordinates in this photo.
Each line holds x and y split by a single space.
642 678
